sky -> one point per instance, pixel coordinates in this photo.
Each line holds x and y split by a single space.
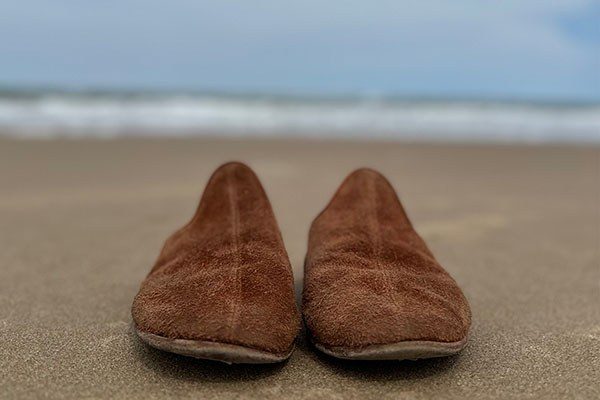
531 49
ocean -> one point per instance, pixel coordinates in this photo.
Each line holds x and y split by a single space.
105 114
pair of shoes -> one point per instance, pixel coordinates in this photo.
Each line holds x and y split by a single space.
222 288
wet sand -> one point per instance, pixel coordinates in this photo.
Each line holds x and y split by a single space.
81 223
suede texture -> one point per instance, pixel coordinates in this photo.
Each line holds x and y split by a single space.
370 279
225 276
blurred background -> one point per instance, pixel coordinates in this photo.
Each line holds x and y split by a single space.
484 115
522 70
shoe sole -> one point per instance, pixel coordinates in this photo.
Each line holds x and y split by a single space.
409 350
215 351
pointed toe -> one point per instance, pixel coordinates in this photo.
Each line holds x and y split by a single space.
224 279
372 287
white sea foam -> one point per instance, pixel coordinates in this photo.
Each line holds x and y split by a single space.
51 115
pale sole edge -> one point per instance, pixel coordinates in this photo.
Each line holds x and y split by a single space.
223 352
408 350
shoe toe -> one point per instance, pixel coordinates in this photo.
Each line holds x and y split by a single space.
365 310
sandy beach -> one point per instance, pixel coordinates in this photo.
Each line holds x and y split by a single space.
83 220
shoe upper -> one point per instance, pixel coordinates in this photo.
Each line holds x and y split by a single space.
225 276
370 279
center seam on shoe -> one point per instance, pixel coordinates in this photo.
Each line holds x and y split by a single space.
233 208
376 233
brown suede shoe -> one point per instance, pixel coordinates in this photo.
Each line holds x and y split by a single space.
372 288
222 287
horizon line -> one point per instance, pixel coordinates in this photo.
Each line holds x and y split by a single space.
291 94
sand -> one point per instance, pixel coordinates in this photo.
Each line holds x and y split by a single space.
81 222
